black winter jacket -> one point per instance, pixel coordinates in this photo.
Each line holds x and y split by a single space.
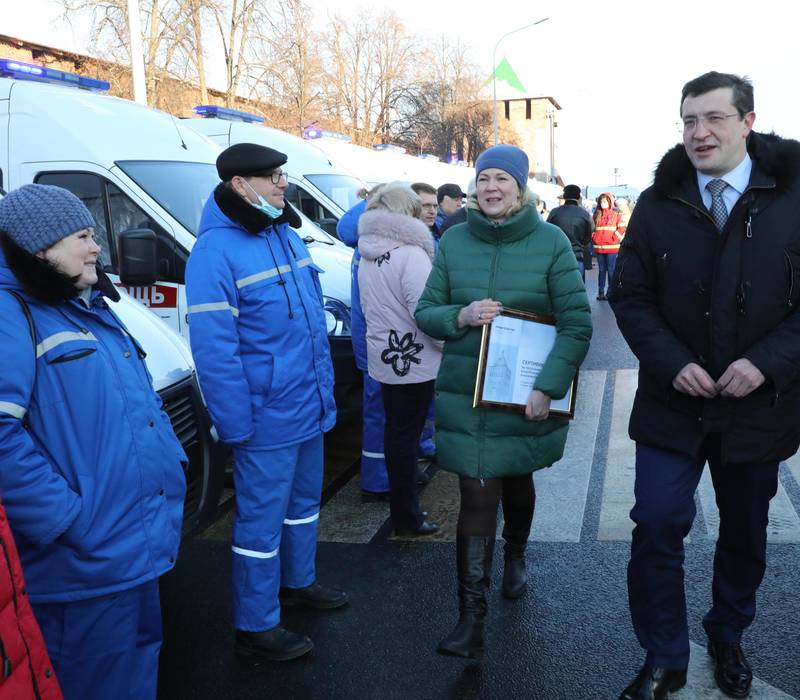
577 223
682 292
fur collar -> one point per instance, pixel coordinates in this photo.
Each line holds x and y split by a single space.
40 280
380 230
774 156
247 216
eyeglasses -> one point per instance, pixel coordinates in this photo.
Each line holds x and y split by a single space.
275 177
711 120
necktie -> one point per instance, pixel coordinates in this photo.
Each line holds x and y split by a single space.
718 210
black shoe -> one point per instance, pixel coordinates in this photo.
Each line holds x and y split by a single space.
602 297
427 528
314 596
474 566
374 496
422 477
277 644
731 670
654 683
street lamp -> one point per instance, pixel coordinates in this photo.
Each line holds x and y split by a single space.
494 72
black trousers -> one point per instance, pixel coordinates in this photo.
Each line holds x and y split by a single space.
406 406
663 513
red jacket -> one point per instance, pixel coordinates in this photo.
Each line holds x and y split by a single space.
25 669
609 229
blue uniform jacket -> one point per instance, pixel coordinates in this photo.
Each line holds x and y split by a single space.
90 468
347 230
258 333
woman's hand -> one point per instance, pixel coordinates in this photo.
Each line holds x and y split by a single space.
479 313
538 406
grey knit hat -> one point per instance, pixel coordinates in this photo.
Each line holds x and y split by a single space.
38 216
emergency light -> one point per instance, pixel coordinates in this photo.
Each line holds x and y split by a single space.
311 133
10 68
388 147
428 156
226 113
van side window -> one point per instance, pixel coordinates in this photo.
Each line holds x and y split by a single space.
302 200
126 214
89 189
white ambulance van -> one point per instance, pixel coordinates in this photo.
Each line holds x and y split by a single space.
138 168
321 189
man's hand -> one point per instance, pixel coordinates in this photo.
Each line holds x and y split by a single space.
741 378
538 406
695 381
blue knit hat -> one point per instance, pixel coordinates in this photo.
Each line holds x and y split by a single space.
38 216
509 158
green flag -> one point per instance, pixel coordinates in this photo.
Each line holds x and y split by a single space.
505 72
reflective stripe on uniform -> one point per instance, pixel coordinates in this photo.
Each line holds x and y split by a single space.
606 228
302 521
254 554
615 246
374 455
272 272
13 409
252 279
213 306
59 338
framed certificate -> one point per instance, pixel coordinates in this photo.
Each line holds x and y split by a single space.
514 348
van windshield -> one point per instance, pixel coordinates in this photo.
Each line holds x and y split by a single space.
180 188
342 189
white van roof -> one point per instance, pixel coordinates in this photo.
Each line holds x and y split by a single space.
81 122
314 160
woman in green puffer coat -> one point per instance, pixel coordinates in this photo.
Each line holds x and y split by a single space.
503 256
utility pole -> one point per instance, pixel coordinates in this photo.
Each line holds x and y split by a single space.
137 56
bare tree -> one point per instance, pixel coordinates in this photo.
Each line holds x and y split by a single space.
286 70
368 61
164 37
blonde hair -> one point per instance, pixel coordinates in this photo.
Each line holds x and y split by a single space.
397 197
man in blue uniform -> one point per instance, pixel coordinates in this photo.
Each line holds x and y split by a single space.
258 337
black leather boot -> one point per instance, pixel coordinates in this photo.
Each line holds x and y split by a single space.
474 565
515 574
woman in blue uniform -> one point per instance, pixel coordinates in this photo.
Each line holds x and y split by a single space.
90 468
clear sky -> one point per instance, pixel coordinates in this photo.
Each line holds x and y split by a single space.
615 68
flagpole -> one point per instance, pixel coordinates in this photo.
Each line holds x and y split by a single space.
494 74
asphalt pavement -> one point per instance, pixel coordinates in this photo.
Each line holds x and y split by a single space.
569 637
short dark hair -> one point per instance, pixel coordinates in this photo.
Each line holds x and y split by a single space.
423 188
741 85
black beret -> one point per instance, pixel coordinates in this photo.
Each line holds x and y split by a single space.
248 159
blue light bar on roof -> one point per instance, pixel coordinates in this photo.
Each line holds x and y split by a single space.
388 147
226 113
429 156
311 133
10 68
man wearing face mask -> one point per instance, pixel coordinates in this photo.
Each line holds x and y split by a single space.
259 341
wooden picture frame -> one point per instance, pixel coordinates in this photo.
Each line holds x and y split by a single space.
513 349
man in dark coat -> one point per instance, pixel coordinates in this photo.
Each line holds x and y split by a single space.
576 222
706 292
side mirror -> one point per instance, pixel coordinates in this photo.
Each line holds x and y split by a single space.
138 266
328 225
